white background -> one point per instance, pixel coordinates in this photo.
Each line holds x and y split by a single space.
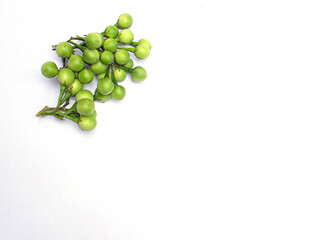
221 141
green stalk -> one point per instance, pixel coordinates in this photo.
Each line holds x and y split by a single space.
52 114
65 104
55 109
134 44
107 72
62 91
77 45
42 111
77 38
66 97
113 77
128 49
75 119
74 106
128 70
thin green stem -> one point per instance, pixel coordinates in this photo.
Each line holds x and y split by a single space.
77 45
62 91
57 116
74 115
107 72
77 38
50 111
56 109
52 114
63 62
134 44
74 106
128 70
116 25
113 77
128 49
75 119
66 103
43 110
65 98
